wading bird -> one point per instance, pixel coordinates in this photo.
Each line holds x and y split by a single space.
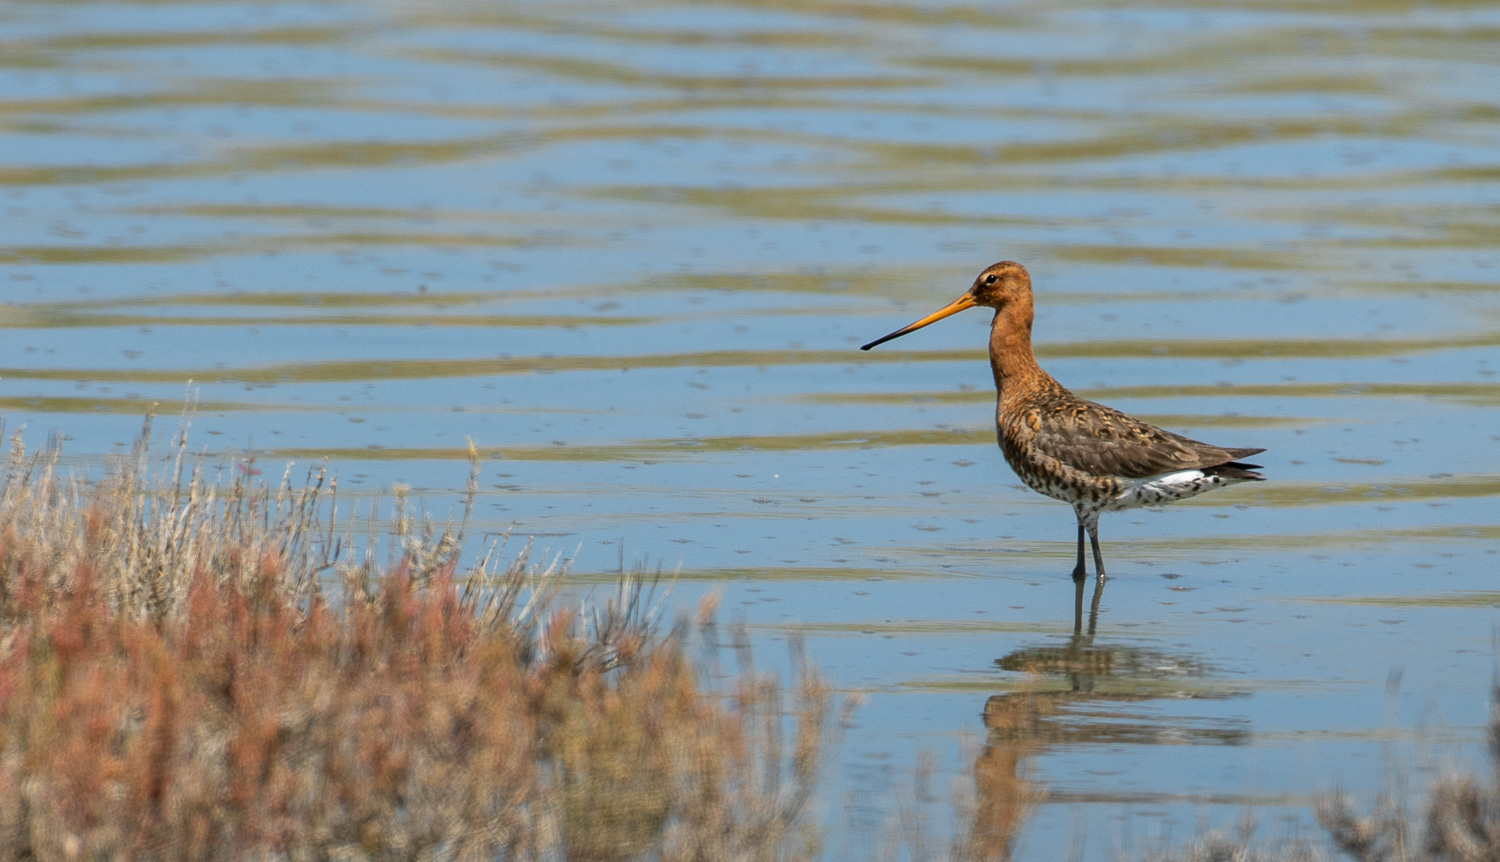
1092 457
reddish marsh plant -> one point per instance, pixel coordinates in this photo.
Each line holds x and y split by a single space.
189 670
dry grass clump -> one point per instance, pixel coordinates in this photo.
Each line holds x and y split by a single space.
1236 846
178 682
1459 822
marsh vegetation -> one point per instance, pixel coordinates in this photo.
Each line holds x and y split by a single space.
198 665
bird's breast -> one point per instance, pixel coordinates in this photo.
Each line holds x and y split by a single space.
1049 476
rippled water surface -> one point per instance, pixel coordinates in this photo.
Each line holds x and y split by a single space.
630 249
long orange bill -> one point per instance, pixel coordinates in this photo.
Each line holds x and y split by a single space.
954 307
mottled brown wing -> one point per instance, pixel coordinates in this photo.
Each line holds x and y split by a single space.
1105 442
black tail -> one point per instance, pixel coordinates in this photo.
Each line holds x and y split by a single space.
1236 470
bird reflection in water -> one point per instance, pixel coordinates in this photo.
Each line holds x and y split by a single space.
1077 693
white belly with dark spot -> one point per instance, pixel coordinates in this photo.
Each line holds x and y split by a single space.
1166 488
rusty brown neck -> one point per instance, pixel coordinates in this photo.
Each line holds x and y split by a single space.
1011 359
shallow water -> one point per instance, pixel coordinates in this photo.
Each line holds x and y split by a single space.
630 251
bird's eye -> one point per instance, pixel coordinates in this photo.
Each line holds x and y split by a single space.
989 279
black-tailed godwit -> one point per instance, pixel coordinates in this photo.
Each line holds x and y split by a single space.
1092 457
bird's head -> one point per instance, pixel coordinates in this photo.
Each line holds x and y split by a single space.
1000 284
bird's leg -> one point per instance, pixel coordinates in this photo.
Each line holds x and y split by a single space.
1080 571
1093 540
